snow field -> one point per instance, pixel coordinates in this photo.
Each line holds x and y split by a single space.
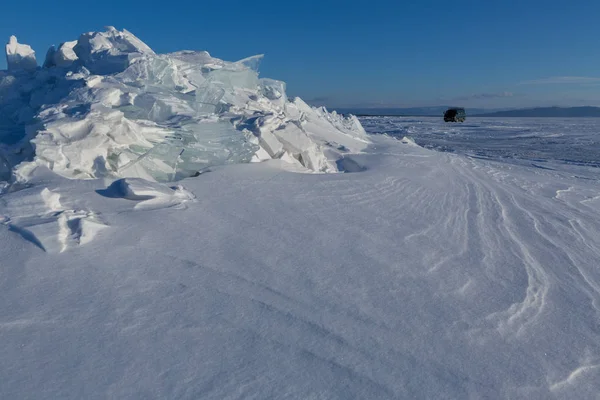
426 275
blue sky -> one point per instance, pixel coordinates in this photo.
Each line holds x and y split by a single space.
379 53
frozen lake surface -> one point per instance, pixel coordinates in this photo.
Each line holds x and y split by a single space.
541 142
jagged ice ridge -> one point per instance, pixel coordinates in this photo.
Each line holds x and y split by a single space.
107 105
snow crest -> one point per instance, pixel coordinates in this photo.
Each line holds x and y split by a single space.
19 56
107 105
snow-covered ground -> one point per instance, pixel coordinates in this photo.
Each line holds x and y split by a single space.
415 274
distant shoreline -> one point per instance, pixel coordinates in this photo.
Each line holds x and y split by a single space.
539 112
472 116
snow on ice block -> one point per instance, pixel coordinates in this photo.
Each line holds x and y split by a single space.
40 218
409 141
137 189
150 195
20 56
63 57
109 52
85 229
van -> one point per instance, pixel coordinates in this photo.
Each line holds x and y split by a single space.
455 115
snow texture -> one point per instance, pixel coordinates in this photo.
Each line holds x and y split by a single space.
423 274
107 105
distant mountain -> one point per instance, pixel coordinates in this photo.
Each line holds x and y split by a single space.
435 111
540 112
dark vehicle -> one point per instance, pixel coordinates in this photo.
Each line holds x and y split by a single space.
455 115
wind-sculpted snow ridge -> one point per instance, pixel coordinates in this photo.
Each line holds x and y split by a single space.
106 105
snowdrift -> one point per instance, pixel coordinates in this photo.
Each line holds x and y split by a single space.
107 105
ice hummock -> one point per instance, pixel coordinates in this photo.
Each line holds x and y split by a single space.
108 52
64 56
19 56
107 105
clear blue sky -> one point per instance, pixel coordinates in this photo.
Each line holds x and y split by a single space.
392 53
